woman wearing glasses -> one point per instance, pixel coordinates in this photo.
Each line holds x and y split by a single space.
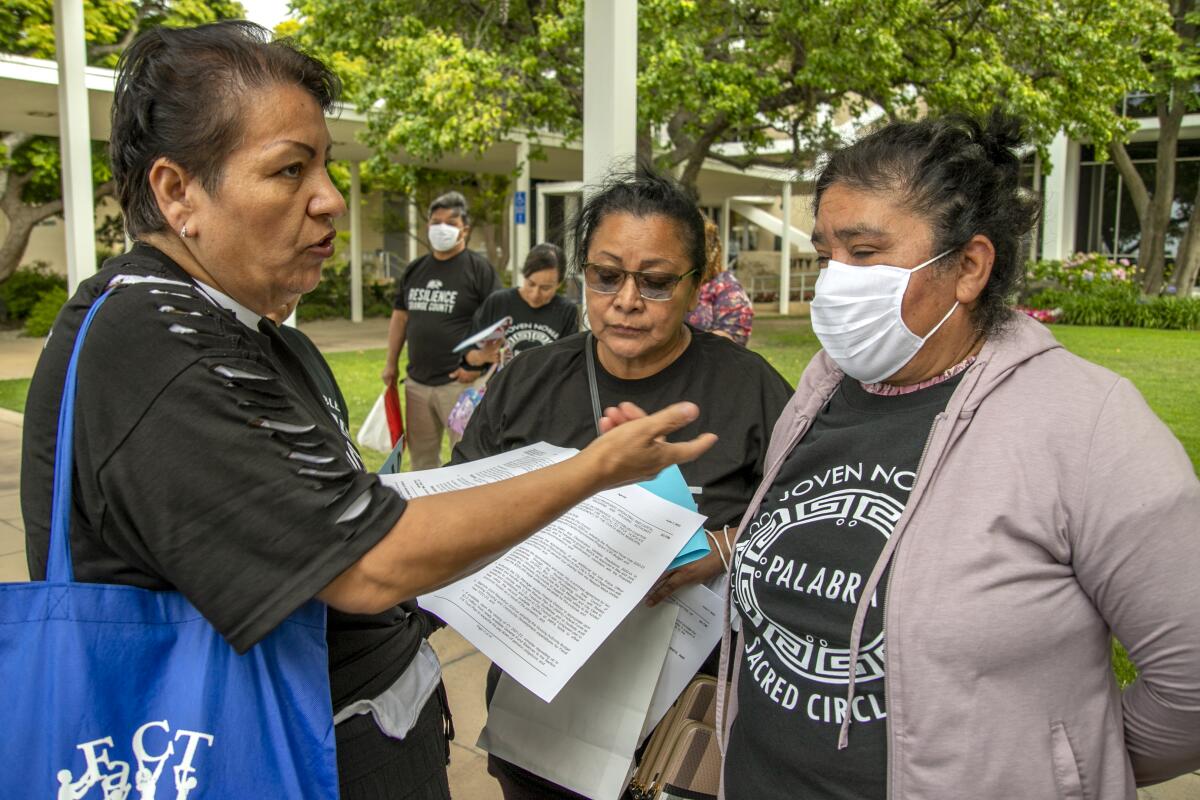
640 243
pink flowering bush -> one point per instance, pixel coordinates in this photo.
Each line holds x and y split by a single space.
1091 289
1084 273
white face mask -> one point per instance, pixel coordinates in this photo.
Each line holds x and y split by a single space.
856 316
443 237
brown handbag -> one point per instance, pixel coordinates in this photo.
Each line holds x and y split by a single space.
682 760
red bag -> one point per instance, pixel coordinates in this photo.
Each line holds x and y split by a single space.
395 420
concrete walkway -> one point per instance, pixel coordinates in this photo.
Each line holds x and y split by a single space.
463 667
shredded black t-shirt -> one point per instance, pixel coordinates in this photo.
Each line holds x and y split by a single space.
531 327
441 298
205 461
797 578
544 396
367 652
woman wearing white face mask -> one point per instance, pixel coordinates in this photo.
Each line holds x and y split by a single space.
963 511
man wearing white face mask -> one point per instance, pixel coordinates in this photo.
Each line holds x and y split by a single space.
437 297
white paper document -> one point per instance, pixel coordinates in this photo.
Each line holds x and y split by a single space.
476 473
489 334
697 631
586 738
544 607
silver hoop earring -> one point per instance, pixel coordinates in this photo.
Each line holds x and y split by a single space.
183 232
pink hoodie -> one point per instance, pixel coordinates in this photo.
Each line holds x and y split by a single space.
1051 510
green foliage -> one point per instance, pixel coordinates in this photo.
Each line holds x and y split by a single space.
1089 289
331 298
22 291
1084 273
1168 313
45 311
1122 667
459 76
27 26
13 393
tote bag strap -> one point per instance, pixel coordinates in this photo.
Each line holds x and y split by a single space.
58 565
592 386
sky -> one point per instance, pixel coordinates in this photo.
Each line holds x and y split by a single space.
267 13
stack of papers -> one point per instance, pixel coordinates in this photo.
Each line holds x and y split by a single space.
589 668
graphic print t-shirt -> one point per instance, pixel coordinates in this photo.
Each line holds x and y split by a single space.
797 577
531 327
441 297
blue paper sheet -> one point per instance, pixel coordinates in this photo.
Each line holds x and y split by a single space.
670 485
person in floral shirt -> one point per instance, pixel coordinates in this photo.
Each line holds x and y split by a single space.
723 307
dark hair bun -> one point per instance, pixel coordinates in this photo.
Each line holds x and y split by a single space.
962 176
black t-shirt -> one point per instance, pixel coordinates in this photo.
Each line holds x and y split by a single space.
530 327
441 297
797 577
367 652
544 396
205 459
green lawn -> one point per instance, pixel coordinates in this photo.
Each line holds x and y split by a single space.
12 394
1164 365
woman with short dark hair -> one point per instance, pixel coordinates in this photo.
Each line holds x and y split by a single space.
640 246
958 516
540 315
210 455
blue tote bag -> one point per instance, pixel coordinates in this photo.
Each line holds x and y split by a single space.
116 692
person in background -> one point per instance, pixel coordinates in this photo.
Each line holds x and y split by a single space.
438 296
540 315
211 455
723 307
641 250
958 517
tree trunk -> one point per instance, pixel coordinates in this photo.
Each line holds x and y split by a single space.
22 217
20 226
1154 209
1187 261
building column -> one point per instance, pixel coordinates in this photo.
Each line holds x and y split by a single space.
785 258
356 265
609 86
519 220
724 223
414 238
1061 199
75 142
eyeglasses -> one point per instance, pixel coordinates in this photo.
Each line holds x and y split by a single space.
651 285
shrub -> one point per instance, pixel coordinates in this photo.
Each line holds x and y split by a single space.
45 311
1083 274
1091 290
25 287
306 311
331 298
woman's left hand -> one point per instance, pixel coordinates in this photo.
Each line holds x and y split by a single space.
697 571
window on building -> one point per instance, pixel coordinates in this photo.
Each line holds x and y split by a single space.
1106 220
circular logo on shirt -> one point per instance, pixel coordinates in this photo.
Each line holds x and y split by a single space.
804 653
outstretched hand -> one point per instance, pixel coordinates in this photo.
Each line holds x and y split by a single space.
633 445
